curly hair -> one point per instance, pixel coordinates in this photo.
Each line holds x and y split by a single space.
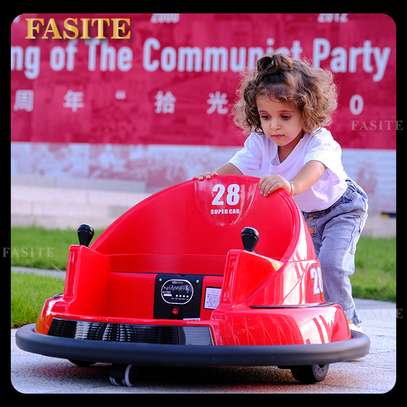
311 90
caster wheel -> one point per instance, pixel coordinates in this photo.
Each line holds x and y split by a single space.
114 382
123 375
81 363
310 374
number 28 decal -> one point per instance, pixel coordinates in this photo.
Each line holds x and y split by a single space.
232 195
317 280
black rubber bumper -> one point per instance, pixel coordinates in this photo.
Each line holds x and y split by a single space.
191 355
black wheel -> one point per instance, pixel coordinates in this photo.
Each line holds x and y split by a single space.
81 363
310 374
123 375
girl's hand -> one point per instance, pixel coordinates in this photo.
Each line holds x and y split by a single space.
272 182
207 175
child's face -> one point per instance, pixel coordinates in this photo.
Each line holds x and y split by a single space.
280 121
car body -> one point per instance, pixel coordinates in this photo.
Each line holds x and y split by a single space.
169 283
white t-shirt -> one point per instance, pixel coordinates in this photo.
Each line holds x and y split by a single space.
259 157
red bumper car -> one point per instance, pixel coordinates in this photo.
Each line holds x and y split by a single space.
205 273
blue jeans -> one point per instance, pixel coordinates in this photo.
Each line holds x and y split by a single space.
335 232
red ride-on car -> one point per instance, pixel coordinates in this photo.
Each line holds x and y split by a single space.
204 273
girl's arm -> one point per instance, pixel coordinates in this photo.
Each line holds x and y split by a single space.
226 169
309 174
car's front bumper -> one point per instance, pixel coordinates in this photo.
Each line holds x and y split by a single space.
191 355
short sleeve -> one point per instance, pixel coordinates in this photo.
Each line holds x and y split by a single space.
248 159
325 149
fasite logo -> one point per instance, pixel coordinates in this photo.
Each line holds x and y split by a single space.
73 28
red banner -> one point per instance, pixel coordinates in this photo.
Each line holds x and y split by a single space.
174 81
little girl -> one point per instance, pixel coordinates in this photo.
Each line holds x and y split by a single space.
283 105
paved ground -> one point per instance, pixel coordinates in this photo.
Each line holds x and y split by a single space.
375 373
39 272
